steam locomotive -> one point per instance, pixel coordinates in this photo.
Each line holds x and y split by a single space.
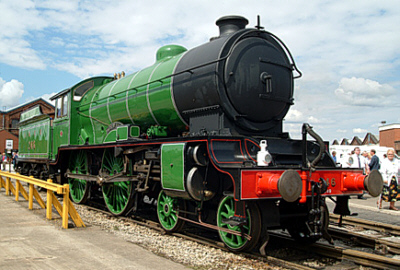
197 136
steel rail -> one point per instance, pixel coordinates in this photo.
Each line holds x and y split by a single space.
342 253
370 225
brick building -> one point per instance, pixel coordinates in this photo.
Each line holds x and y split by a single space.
9 120
389 136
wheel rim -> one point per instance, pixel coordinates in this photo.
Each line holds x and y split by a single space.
78 188
167 216
117 195
226 210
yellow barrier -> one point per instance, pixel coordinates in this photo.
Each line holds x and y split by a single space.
63 210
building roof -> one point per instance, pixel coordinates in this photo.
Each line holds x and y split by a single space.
370 139
26 103
390 126
344 142
356 141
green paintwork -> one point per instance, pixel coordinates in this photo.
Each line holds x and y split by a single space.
84 125
135 131
142 99
62 128
122 133
226 210
157 131
167 214
118 196
172 166
35 137
111 136
169 51
34 112
79 189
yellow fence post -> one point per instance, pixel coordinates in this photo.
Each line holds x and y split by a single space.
17 190
66 210
65 207
49 202
30 196
8 183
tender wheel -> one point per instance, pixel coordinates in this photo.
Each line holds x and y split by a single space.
226 209
78 189
118 196
167 212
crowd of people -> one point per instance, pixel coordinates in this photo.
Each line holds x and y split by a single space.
8 159
389 168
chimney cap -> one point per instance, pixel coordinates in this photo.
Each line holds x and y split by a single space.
230 24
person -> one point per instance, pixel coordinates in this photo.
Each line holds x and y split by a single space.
14 159
4 161
334 156
358 161
367 161
390 174
374 164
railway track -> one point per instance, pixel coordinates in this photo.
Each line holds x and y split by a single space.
382 238
340 253
380 259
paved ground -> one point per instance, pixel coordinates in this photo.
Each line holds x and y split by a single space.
28 241
367 209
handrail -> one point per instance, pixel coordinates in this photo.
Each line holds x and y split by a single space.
66 208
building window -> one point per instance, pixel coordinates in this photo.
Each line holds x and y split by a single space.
14 123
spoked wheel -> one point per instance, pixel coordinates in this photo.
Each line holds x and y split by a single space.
79 189
226 209
167 212
301 232
118 196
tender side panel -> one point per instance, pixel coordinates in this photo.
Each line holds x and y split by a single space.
35 140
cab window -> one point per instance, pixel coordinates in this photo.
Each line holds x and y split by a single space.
65 106
62 106
82 89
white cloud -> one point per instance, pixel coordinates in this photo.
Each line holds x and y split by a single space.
364 92
294 116
347 50
10 93
19 18
359 130
47 98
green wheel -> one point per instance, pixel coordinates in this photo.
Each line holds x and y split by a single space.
167 213
118 196
226 209
78 189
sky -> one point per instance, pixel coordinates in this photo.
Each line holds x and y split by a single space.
347 51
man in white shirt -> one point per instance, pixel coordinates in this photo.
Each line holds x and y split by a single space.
358 162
